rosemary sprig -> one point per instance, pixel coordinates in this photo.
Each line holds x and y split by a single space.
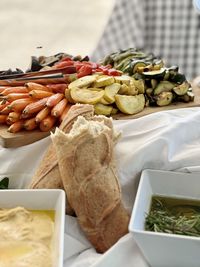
161 219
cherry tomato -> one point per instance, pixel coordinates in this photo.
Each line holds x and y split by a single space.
63 64
66 59
84 70
113 72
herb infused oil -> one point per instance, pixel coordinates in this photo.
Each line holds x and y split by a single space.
174 216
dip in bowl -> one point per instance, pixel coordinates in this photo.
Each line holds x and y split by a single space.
164 246
32 228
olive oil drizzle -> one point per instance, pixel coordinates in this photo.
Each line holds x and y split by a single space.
181 218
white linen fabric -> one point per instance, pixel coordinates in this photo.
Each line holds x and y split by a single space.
169 28
168 140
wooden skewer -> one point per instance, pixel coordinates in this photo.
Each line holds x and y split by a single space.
65 70
46 79
50 76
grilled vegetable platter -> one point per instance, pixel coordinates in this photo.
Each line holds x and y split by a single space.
124 82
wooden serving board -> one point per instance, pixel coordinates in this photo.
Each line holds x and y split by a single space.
10 140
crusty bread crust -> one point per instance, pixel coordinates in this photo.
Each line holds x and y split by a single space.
85 158
47 174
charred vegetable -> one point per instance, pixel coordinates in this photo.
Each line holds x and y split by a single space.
133 61
154 74
164 99
151 77
38 63
182 88
163 86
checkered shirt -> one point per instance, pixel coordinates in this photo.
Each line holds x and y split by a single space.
168 28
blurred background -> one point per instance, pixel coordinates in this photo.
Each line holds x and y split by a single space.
48 27
170 29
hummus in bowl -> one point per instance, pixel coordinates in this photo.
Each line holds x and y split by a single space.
32 228
26 237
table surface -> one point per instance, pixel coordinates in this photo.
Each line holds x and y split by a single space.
167 140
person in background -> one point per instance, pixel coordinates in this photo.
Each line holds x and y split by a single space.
170 29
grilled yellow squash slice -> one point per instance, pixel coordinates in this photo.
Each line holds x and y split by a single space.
130 104
83 82
86 96
111 91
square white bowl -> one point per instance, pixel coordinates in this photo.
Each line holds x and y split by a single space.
161 249
41 199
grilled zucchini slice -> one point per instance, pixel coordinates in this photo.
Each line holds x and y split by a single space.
135 65
163 86
154 74
182 88
189 96
164 99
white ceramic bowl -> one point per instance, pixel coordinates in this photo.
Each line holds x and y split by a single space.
160 249
41 199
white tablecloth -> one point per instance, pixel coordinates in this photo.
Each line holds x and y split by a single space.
167 140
